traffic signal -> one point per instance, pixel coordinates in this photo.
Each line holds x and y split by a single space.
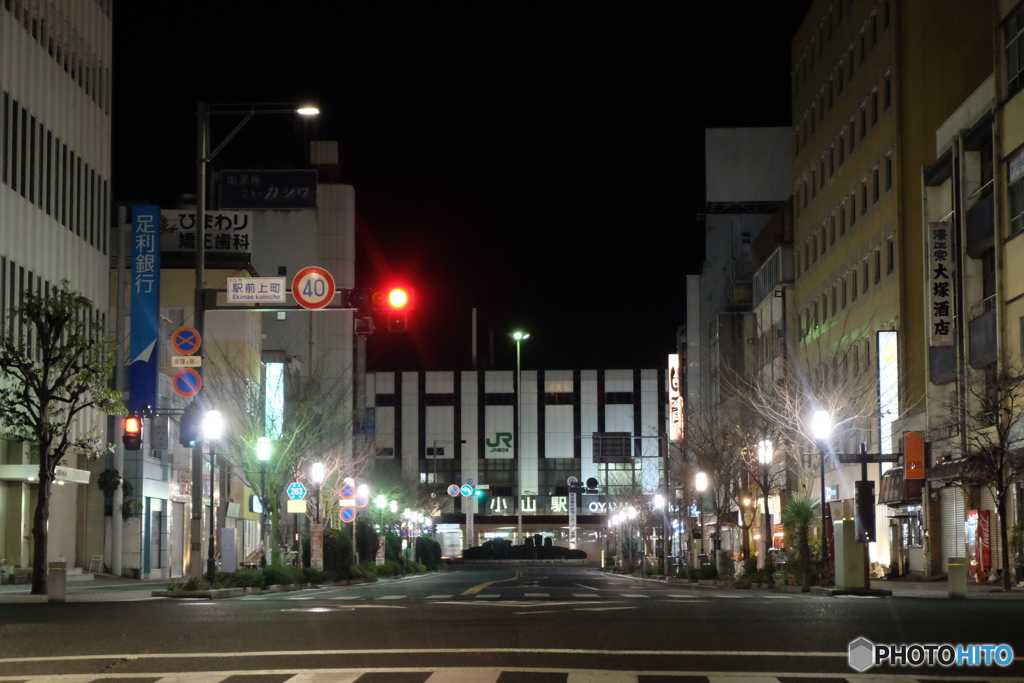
395 303
132 437
191 422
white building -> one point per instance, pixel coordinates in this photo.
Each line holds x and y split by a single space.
55 61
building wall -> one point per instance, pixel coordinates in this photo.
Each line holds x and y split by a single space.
55 71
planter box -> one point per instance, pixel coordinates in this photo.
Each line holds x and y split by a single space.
212 594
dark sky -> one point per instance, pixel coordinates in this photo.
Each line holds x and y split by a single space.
540 161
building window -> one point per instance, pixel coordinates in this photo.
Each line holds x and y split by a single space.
821 171
853 209
814 183
887 91
1013 35
852 130
831 160
839 79
1016 192
864 274
822 229
874 106
888 171
1022 337
863 121
842 219
831 87
874 30
842 299
834 300
849 64
860 46
890 255
885 14
842 149
814 248
874 185
832 229
878 266
863 197
853 285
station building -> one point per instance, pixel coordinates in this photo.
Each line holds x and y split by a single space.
459 427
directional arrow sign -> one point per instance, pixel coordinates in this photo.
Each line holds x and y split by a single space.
296 491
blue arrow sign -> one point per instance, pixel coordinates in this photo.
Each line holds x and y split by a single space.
296 491
467 490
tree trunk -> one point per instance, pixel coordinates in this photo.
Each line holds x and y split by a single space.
40 524
275 535
1004 549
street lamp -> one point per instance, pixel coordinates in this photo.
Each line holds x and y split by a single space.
264 450
213 427
317 474
765 450
821 427
203 157
519 338
701 484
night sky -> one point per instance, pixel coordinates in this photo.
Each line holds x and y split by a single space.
540 161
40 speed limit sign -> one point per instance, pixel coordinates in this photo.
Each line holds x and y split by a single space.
313 287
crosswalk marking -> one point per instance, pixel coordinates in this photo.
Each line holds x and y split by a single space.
633 595
439 597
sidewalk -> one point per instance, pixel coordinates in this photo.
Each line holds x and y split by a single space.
911 588
103 587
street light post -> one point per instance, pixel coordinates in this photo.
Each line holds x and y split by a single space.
317 473
203 157
765 450
519 337
213 425
701 484
821 426
263 452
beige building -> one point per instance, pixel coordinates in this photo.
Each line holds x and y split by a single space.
973 217
871 82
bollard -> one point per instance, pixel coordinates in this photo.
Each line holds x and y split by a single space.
56 581
958 577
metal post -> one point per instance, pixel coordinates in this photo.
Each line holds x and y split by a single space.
824 527
211 562
519 447
198 322
263 510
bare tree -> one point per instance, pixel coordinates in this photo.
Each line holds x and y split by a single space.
992 434
313 424
55 364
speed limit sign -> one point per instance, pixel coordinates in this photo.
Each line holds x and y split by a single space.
313 287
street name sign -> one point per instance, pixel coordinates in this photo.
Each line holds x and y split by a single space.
246 290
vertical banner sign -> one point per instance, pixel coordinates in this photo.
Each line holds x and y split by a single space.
143 366
940 284
913 453
572 521
316 546
888 388
675 400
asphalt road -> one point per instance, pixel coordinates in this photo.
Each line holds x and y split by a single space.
518 621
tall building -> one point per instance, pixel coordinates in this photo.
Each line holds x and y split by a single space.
871 82
973 219
55 76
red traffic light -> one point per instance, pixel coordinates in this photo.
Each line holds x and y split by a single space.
132 437
393 298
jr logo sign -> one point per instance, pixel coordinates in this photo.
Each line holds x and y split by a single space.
502 443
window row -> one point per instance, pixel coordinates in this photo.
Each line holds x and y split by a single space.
844 143
879 100
55 35
36 164
16 283
1016 192
868 35
1013 48
844 292
868 192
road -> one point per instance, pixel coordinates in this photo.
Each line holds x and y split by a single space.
482 624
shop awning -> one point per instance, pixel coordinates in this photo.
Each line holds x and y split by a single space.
895 489
957 469
30 473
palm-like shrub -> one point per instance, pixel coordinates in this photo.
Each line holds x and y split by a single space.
799 514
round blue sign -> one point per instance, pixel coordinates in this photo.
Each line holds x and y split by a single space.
453 490
467 490
348 514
